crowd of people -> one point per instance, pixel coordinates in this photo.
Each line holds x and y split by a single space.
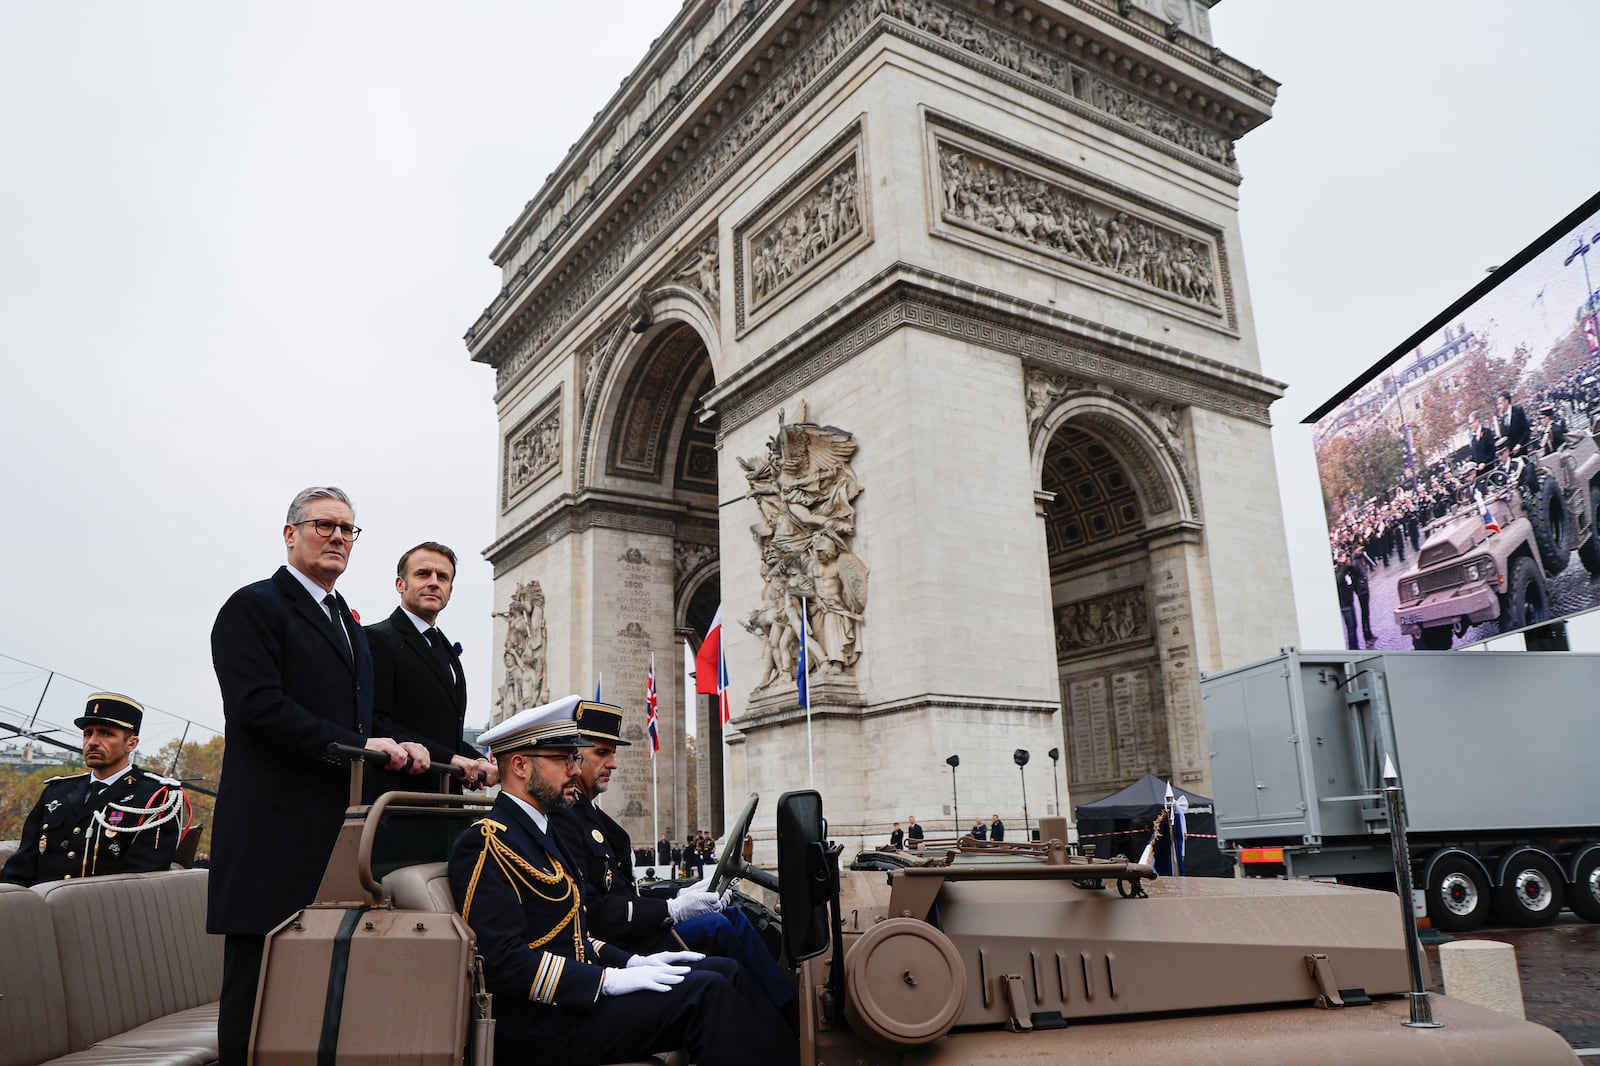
689 859
1385 529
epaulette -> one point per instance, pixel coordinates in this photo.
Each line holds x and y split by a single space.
66 777
494 826
170 782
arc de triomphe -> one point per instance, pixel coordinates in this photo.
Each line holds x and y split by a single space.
919 325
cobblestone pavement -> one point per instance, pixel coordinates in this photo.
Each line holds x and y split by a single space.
1560 970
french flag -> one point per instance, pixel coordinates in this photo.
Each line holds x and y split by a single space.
1488 517
707 669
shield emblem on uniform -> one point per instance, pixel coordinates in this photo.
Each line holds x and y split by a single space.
114 818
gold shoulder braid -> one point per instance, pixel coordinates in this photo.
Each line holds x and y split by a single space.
521 874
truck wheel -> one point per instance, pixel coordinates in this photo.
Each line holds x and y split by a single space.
1547 513
1533 891
1458 895
1584 897
1589 550
1527 603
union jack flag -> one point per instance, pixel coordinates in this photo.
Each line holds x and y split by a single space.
650 708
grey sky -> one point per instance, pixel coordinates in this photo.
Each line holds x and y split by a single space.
239 245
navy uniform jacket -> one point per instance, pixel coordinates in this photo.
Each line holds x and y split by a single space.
520 897
290 687
63 837
599 847
414 698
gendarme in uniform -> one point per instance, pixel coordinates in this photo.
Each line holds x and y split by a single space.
82 828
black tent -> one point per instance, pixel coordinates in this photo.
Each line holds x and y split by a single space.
1120 825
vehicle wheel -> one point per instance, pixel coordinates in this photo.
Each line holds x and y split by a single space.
1458 895
1433 638
1584 895
1533 891
1547 513
1528 602
1589 550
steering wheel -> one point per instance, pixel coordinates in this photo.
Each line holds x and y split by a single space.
731 865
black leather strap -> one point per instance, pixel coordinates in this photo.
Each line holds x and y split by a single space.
338 968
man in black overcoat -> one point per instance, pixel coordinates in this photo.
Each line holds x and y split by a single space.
419 690
296 676
113 818
561 997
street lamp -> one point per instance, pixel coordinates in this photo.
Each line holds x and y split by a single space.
1020 757
953 762
1055 767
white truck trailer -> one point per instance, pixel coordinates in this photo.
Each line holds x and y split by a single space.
1496 752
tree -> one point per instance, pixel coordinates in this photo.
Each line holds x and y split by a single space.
19 791
1359 466
194 765
1565 355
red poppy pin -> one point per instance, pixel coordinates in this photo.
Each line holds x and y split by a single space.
356 615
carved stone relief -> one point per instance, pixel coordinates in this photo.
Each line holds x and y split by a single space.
527 681
809 221
804 489
699 270
1102 622
1003 200
1135 110
687 558
532 452
596 355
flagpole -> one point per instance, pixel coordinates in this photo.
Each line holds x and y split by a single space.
655 792
805 681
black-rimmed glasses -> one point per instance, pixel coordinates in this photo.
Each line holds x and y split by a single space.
570 758
326 526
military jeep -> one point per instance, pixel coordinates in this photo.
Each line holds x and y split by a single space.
1489 559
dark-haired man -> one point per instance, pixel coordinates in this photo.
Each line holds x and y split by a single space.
419 691
562 997
598 847
112 819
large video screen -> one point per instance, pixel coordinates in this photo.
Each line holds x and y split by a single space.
1460 473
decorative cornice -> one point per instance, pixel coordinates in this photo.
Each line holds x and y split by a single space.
575 512
907 296
733 134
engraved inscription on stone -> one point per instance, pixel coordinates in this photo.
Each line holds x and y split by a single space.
532 451
1044 213
1173 625
628 660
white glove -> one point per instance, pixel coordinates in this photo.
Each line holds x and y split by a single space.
619 980
675 959
691 904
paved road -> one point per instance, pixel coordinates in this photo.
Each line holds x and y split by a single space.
1560 969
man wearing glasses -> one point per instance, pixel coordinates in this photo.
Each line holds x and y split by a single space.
296 676
561 997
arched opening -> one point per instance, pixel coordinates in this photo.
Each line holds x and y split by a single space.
652 449
1113 715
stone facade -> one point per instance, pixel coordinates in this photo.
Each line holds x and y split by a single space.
994 248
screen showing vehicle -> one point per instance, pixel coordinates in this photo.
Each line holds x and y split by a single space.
1460 473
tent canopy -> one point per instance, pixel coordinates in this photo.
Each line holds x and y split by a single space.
1120 824
1140 800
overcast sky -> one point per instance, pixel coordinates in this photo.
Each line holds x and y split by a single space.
240 243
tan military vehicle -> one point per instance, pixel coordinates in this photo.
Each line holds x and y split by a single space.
1490 558
970 952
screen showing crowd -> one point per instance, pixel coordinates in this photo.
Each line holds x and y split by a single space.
1460 474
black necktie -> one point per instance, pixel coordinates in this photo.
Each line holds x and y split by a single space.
335 617
441 650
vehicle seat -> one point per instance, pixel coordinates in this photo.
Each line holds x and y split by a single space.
424 887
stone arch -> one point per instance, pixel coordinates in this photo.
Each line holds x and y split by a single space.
641 401
1165 493
1124 540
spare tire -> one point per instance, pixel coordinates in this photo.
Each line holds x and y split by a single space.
1547 513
